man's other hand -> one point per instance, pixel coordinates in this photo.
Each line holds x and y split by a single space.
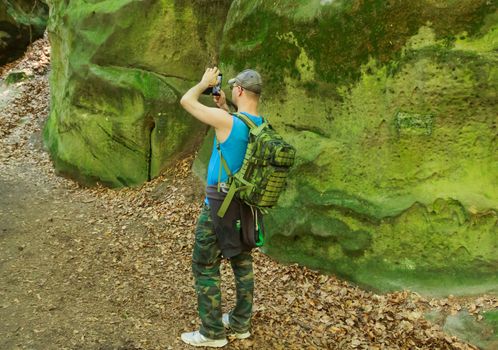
221 101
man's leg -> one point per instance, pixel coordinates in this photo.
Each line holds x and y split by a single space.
206 268
240 316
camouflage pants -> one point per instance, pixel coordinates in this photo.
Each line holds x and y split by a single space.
206 261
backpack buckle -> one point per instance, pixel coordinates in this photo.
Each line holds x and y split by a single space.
224 187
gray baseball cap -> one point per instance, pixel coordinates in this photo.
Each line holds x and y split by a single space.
249 79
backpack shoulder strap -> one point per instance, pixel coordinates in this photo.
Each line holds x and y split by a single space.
247 121
223 162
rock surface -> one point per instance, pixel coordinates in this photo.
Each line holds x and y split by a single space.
391 105
392 108
118 70
21 23
479 333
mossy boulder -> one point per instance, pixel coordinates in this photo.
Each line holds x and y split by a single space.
465 326
392 108
16 76
118 70
21 23
390 104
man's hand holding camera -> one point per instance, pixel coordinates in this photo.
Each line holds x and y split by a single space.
210 77
218 117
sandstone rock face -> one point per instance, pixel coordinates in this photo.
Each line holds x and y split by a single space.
118 70
392 106
21 22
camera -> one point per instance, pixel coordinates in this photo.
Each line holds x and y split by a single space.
214 90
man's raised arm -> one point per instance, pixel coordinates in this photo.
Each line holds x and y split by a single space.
216 117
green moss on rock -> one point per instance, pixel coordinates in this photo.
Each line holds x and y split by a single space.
477 332
118 70
15 77
392 108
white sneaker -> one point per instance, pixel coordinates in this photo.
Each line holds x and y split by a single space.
197 339
226 322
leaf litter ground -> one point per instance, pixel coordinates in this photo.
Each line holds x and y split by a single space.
95 268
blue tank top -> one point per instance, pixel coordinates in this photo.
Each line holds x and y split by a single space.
233 150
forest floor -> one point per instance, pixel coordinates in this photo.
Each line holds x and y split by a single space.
95 268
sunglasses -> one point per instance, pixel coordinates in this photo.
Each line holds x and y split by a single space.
234 86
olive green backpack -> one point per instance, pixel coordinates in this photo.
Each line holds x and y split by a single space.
262 176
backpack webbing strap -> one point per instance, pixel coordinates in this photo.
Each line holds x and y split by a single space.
231 193
247 121
231 190
223 164
226 202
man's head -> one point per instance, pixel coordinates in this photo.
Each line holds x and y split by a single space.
247 83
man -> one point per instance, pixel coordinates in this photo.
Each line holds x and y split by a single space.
215 237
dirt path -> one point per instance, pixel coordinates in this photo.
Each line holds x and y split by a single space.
77 273
106 269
